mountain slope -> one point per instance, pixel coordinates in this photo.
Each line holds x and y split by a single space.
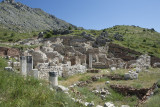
19 17
137 38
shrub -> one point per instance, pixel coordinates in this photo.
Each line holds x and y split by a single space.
5 34
144 40
12 34
48 35
70 28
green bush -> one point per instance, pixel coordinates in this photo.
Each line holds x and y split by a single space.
12 34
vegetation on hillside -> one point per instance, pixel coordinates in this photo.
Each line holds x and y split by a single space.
13 36
137 38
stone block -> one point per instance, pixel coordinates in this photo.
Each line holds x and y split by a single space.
8 68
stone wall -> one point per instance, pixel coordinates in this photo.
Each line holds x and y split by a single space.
127 54
9 52
124 53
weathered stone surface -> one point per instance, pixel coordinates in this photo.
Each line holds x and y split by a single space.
131 75
99 106
102 39
113 68
38 57
121 52
156 65
109 104
62 88
9 52
87 36
143 62
8 68
38 20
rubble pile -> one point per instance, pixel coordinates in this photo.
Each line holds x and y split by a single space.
143 94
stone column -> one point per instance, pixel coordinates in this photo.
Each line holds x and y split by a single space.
23 64
53 79
90 61
29 65
35 73
97 59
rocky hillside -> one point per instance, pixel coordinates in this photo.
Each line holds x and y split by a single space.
136 38
19 17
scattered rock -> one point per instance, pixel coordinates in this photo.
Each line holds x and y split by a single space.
8 68
113 68
156 65
99 106
131 75
118 37
138 70
62 88
109 104
107 82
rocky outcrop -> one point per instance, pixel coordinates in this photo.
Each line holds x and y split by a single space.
102 39
18 17
8 1
118 37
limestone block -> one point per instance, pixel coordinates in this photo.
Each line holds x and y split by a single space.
8 68
138 70
62 88
38 57
127 76
109 104
113 68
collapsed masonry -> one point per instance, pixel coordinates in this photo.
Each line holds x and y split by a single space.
71 55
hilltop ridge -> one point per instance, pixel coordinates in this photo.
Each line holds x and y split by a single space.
19 17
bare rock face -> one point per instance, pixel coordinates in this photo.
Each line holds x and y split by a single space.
14 14
8 1
102 39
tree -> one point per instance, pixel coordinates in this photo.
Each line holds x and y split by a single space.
5 34
12 34
70 28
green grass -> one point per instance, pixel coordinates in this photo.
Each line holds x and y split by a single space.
7 35
154 101
137 38
17 91
85 78
89 95
119 99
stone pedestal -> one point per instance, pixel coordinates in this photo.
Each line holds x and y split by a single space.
29 64
23 65
53 79
90 61
35 73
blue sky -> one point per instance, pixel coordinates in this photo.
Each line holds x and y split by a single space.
100 14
